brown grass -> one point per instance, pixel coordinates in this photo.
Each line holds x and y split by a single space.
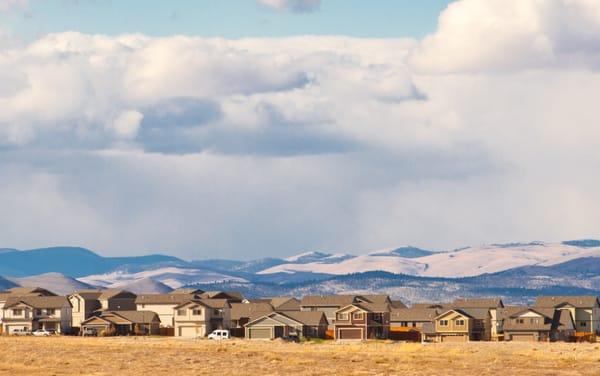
164 356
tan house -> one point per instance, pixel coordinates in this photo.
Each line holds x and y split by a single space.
20 291
492 305
242 313
410 324
122 323
453 325
362 321
31 313
164 304
537 324
198 318
86 302
585 311
307 324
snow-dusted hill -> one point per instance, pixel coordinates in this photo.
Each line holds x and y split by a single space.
470 261
55 282
173 277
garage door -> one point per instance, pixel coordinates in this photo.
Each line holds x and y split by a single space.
454 338
522 337
259 333
350 334
190 331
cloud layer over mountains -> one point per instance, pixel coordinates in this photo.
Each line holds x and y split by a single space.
485 131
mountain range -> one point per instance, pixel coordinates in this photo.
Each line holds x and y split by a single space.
515 271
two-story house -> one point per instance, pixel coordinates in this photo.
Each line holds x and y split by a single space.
198 318
459 325
486 326
87 303
585 311
537 324
164 304
31 313
330 304
362 321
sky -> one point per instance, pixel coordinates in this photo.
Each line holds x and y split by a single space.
248 129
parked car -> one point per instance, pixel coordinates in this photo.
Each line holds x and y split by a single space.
219 334
43 333
21 332
89 332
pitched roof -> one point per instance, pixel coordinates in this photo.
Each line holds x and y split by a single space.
163 299
374 307
311 318
582 301
459 311
374 298
234 295
38 301
30 291
88 294
215 303
413 314
210 303
111 293
398 304
249 310
328 300
285 301
478 303
476 313
138 317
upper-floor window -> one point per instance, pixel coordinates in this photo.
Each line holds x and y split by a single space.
357 315
197 312
520 321
217 311
342 316
582 323
38 312
443 322
181 312
17 312
460 322
50 311
534 320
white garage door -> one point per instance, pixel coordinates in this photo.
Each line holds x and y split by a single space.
523 337
191 331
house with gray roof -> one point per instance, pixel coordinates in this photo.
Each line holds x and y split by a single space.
585 311
306 324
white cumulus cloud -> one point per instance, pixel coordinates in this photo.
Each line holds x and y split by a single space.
485 131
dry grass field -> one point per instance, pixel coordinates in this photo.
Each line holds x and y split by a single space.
162 356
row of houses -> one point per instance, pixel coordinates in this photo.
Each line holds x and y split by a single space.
195 313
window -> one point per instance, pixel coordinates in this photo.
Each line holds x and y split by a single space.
460 322
357 316
38 312
534 320
582 323
17 312
520 321
181 312
197 312
50 311
443 322
217 312
342 316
